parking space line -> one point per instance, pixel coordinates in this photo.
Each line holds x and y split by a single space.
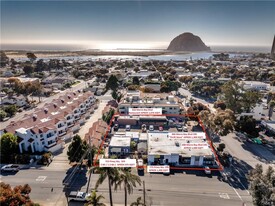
224 195
41 178
237 194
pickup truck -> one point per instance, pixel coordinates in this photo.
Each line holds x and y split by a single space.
78 196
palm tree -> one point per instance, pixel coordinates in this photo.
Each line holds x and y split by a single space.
271 107
107 172
94 200
128 180
138 202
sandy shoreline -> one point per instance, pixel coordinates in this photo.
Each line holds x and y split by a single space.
48 54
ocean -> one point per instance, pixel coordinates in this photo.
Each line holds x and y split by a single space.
233 51
73 47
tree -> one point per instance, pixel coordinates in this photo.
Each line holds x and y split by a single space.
221 147
17 196
108 116
262 186
135 80
220 104
76 149
94 200
28 69
11 110
271 107
111 174
9 146
116 95
222 122
112 83
169 86
4 60
136 69
133 145
128 180
248 125
40 66
3 115
232 95
186 79
137 203
31 56
250 99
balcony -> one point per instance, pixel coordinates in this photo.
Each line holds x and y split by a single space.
70 124
52 137
50 145
77 117
61 133
61 126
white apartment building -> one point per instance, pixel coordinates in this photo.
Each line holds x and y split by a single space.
47 128
135 99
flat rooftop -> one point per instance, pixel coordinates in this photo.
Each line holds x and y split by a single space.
120 141
167 143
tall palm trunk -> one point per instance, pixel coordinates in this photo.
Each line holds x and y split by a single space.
110 191
125 190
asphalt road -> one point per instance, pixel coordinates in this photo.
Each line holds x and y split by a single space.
190 188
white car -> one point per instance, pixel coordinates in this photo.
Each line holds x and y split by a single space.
78 196
207 170
151 128
10 168
128 127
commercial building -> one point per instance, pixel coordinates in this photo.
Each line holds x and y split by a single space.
47 128
168 103
179 149
120 145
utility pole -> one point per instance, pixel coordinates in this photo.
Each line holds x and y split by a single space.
143 192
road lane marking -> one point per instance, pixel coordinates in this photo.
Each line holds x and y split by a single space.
41 178
237 194
224 195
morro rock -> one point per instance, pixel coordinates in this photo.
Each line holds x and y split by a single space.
187 42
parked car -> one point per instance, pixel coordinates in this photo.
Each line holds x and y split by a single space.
160 128
257 141
207 170
151 128
116 127
143 128
185 129
10 168
179 128
128 127
140 164
78 196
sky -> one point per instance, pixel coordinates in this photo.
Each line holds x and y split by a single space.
136 24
